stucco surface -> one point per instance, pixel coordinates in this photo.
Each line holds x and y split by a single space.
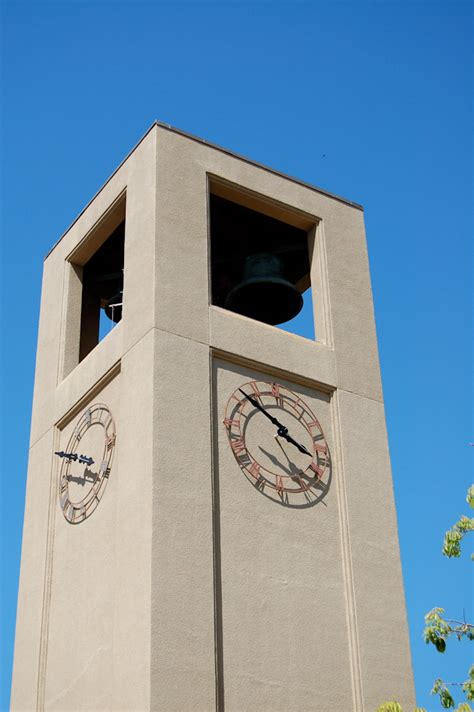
377 575
284 629
235 334
182 605
81 605
40 498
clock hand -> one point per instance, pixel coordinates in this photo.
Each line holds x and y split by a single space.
68 455
86 460
289 439
282 431
255 403
83 459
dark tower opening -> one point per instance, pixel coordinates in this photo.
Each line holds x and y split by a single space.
259 265
102 289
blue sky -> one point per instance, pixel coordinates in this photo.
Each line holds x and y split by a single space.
369 100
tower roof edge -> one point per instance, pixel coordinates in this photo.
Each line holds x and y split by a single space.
198 139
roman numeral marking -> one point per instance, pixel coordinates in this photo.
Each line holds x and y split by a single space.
279 485
276 394
321 448
256 392
317 470
237 444
254 469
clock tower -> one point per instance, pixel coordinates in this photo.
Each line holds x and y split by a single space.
209 521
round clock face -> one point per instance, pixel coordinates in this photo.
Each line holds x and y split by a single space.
278 442
86 463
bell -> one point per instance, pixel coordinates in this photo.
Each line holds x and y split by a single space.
263 294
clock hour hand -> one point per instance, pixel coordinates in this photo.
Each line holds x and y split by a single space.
86 460
300 447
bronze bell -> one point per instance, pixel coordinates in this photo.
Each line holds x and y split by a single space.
263 294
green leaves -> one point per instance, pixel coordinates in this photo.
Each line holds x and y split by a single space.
437 630
468 686
470 497
396 707
439 688
446 699
454 537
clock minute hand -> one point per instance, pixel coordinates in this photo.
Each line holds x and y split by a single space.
255 403
83 459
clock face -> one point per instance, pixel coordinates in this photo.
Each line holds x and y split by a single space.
278 442
86 463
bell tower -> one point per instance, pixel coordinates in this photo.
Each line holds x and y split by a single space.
209 519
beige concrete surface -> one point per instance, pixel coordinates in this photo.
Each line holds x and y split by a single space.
133 531
255 342
41 499
284 628
377 575
182 604
78 627
187 589
353 325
